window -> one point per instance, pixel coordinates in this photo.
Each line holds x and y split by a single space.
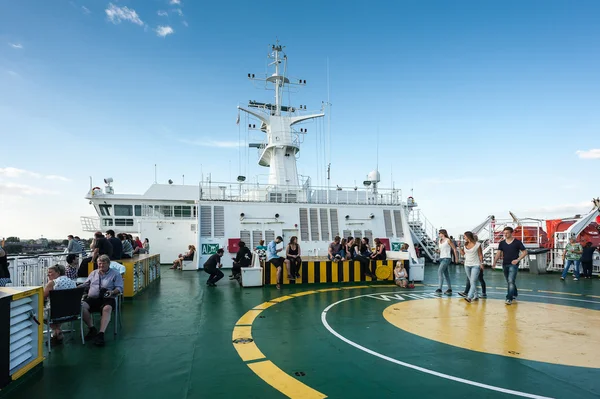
138 210
123 210
166 210
105 209
123 222
107 222
182 211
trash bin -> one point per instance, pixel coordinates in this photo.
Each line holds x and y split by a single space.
538 259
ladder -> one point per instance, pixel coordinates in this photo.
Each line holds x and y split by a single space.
423 233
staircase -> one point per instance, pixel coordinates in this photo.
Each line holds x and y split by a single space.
423 233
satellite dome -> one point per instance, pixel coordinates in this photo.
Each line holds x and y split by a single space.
374 176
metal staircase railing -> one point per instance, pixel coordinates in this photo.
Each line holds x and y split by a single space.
423 233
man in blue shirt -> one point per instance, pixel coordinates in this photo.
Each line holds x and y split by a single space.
277 260
512 251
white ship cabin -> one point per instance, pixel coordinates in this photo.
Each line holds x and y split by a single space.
213 215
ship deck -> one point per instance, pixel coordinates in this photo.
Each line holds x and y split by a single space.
338 341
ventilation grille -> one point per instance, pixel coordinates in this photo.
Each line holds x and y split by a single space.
269 236
398 223
387 220
220 222
205 221
347 233
324 224
256 237
335 226
245 235
23 333
369 235
303 224
193 227
314 224
357 234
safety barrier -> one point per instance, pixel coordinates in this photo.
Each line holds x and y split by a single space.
314 272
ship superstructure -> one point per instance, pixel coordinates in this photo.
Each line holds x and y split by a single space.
220 214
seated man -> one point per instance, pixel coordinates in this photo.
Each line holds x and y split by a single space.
277 260
102 285
336 250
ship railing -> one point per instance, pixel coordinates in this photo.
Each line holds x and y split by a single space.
256 192
557 264
32 270
90 223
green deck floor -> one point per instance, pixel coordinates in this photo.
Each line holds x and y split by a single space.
176 343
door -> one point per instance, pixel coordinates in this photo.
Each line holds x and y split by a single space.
287 234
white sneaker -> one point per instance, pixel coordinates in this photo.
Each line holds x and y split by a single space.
575 279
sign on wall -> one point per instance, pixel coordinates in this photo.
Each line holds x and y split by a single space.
396 246
209 249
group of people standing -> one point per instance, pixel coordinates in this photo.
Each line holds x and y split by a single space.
511 250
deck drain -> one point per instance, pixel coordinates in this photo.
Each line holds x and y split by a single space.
514 353
242 340
300 373
261 317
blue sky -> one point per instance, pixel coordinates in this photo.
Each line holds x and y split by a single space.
481 107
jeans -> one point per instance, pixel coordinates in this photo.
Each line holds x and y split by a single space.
443 272
568 266
481 283
510 274
472 274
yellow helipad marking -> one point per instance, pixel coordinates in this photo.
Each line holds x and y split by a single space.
356 287
593 296
329 289
533 331
283 382
281 298
303 293
249 317
265 305
559 293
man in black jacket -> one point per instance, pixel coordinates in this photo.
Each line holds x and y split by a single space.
242 259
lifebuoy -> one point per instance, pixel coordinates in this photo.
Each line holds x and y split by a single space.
94 189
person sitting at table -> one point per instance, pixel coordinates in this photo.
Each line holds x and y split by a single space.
57 281
127 247
102 285
72 266
189 255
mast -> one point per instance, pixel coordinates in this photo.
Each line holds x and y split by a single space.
277 121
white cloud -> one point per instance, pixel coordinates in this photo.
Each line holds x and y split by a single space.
162 13
85 10
211 143
185 24
16 45
163 31
16 190
11 172
175 2
178 12
117 14
12 73
590 154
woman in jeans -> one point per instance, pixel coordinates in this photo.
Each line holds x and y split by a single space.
473 261
445 248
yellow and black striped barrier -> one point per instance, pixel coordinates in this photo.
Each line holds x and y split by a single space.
315 272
